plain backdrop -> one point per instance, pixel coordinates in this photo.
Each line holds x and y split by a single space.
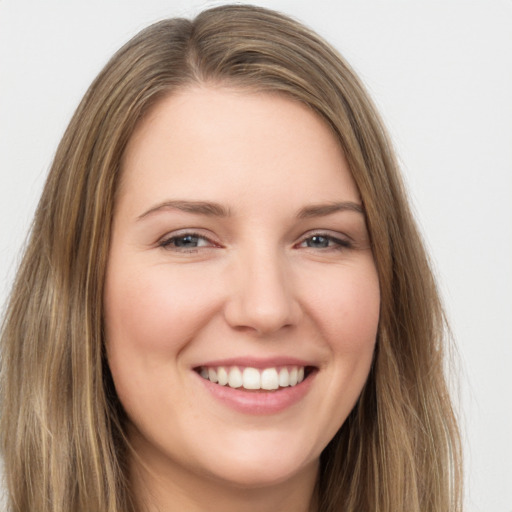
441 74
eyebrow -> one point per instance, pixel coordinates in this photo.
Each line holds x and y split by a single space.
197 207
212 209
322 210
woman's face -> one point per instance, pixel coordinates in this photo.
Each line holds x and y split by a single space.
239 254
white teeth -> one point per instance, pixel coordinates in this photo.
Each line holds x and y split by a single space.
222 375
235 378
284 377
293 376
212 375
252 378
269 379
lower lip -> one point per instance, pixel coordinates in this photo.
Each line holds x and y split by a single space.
259 402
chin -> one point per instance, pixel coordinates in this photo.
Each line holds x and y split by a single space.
246 474
262 466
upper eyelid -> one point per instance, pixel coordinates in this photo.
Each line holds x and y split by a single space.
327 233
199 232
165 242
335 241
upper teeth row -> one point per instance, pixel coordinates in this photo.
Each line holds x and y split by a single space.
253 378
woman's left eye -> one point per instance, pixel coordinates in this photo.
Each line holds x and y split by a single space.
322 241
186 241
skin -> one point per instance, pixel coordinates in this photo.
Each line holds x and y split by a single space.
256 284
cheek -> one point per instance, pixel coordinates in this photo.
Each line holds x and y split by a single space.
344 305
150 317
347 309
153 311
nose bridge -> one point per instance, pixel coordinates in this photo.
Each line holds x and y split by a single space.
262 297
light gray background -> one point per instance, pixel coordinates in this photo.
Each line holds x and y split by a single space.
441 74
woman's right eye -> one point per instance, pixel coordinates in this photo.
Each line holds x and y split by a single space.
186 242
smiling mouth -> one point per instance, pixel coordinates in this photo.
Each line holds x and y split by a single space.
251 379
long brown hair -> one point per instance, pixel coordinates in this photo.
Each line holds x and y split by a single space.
62 426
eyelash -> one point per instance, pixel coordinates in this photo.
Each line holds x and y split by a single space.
339 244
167 243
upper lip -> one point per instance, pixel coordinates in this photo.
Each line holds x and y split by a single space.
256 362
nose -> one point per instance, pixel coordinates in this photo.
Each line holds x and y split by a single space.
262 297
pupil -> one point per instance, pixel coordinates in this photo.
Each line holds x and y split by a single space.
186 241
318 241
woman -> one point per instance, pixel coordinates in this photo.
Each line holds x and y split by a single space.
225 303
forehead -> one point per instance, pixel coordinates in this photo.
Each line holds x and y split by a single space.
234 144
